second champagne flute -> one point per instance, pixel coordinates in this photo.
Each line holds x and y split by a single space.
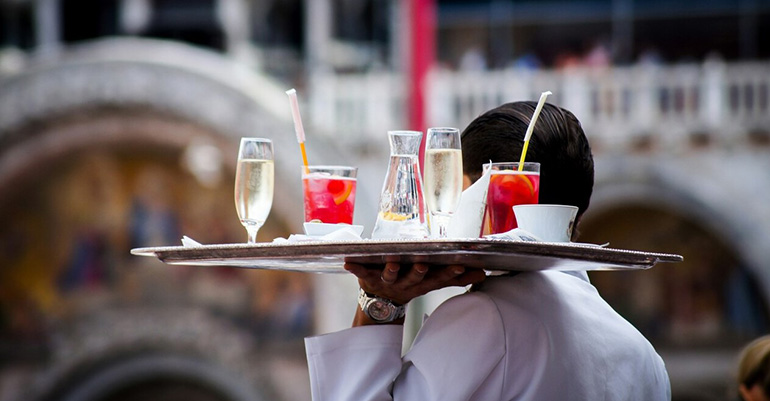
254 181
443 177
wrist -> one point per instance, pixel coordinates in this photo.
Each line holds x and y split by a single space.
378 309
360 319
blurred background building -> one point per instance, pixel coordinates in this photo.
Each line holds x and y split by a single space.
119 124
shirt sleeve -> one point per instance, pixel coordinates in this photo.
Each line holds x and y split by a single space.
356 364
454 354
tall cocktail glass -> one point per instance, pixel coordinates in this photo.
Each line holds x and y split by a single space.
329 193
508 187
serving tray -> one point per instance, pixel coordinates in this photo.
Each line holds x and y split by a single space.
481 253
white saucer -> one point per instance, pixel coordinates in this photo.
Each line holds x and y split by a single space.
321 229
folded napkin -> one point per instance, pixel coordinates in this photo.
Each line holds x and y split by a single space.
466 221
517 234
187 241
344 233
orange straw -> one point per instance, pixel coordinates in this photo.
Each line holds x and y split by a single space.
531 127
298 129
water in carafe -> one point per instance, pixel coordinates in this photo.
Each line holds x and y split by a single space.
402 208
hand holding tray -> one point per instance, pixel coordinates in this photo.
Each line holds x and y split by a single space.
480 253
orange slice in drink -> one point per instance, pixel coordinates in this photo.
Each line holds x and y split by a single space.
340 190
526 182
515 186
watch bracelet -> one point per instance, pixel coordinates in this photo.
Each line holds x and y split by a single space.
364 297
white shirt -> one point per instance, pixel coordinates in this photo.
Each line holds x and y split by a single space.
533 336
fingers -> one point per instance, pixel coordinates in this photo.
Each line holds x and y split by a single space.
471 276
452 276
362 272
405 283
390 272
354 268
416 274
465 276
448 273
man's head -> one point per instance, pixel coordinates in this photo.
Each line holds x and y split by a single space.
558 144
754 370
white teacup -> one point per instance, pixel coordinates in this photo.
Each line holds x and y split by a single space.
550 223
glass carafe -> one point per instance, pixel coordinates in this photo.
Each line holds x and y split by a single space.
402 206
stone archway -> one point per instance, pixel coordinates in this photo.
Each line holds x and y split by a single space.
170 81
700 312
105 116
702 187
710 300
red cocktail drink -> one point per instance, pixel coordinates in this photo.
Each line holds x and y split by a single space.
508 187
329 193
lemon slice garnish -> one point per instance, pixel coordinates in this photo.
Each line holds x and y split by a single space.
390 216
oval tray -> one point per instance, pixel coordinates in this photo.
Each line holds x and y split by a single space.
481 253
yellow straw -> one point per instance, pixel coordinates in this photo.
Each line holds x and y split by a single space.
298 129
531 127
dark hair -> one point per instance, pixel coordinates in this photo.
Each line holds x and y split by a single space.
558 143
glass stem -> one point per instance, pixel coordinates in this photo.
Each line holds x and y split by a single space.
252 230
441 223
442 231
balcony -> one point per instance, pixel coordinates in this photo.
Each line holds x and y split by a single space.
621 108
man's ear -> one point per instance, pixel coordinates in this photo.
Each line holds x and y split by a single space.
466 182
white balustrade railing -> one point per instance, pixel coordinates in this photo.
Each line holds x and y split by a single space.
615 105
355 107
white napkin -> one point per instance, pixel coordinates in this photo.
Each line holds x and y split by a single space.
187 241
517 234
466 221
344 233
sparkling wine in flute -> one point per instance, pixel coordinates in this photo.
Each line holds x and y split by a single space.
443 179
254 181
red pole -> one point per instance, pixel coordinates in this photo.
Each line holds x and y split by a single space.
422 39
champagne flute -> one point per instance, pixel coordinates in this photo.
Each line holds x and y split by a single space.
254 180
443 177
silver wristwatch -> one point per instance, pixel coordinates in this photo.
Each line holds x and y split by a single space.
380 310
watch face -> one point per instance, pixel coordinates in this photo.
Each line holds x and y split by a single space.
379 310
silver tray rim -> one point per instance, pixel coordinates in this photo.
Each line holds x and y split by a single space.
486 253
